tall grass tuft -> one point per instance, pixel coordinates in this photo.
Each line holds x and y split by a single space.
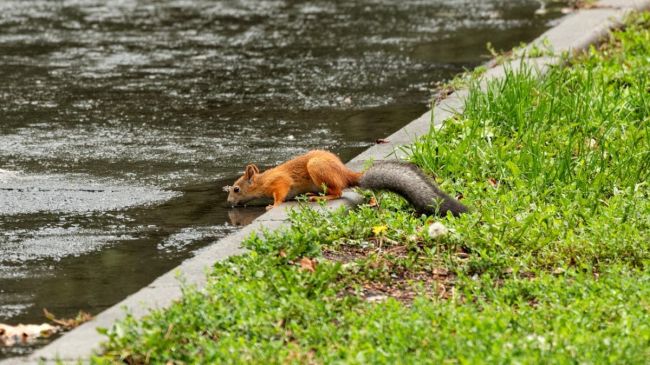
556 167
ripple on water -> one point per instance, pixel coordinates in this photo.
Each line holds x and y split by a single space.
128 153
190 235
27 193
53 243
12 310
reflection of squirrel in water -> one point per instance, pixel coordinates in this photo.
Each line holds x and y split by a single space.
321 171
240 217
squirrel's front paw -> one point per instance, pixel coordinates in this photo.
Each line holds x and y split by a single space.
269 207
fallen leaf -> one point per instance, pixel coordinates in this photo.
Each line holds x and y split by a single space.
372 202
308 264
68 323
443 93
493 182
24 333
440 271
282 254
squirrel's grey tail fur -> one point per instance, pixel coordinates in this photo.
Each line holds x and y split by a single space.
409 181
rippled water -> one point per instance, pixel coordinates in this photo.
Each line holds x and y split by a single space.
121 120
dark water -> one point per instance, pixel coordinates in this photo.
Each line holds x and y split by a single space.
121 120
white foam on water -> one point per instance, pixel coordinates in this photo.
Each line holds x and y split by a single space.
27 193
55 243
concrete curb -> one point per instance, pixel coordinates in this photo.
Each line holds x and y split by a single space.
576 32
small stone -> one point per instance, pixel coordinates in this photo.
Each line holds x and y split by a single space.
376 298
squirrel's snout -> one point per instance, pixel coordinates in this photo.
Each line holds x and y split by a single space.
233 200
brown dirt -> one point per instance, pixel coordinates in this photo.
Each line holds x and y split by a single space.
403 285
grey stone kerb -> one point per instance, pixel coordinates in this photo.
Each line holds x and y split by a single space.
574 33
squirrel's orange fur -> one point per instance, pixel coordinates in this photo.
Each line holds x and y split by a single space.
312 173
323 172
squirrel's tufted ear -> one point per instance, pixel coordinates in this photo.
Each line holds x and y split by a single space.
251 170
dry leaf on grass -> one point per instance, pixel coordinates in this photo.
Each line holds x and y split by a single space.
372 202
308 264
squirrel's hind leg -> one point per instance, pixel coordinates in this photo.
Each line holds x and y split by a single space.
326 173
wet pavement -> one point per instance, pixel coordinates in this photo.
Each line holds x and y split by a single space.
121 120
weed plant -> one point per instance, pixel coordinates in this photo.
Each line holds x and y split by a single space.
550 266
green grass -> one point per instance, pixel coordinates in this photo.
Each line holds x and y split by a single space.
550 266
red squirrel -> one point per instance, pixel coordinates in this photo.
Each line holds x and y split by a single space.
323 172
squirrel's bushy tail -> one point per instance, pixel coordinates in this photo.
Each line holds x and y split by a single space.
409 181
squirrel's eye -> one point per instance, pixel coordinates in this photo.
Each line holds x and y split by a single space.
236 189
